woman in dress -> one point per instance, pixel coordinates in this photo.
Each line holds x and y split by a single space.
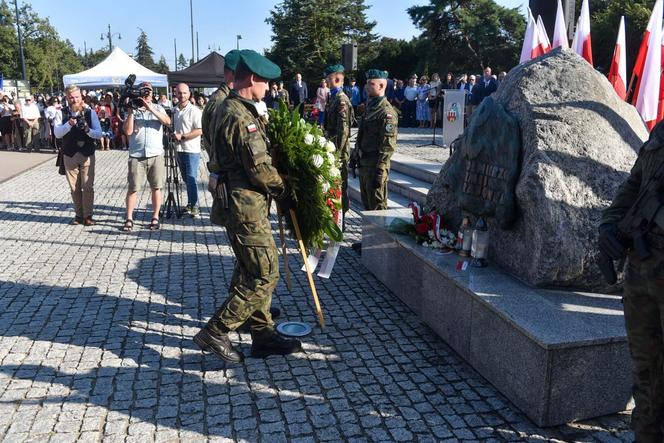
321 100
6 111
422 111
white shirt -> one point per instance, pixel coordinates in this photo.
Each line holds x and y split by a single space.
186 120
60 128
30 111
51 112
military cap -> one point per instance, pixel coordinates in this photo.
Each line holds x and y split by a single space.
231 59
259 65
376 73
333 69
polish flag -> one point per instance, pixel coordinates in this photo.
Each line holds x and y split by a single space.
647 101
530 35
560 29
618 72
582 43
543 38
639 65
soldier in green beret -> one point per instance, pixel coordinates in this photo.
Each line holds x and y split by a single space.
376 142
339 117
207 120
246 179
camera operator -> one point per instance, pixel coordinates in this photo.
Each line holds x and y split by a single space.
78 127
187 123
143 126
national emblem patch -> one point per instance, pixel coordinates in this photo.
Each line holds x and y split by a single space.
252 128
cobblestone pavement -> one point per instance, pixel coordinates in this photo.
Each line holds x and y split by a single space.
96 332
411 141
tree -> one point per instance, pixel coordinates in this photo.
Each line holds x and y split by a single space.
307 34
398 57
96 57
162 67
182 62
144 53
605 20
468 35
47 56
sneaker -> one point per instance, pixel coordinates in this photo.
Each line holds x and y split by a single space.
273 344
195 212
186 209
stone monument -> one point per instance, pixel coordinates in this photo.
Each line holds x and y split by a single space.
577 140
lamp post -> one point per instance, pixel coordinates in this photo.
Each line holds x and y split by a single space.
20 41
191 19
238 38
109 35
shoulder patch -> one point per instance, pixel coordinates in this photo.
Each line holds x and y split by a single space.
252 128
389 116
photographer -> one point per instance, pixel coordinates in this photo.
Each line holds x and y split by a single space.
78 127
143 126
187 123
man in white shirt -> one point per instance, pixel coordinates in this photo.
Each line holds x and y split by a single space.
30 116
188 131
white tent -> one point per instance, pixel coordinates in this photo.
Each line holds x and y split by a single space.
113 71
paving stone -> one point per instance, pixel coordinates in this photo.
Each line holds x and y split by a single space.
114 359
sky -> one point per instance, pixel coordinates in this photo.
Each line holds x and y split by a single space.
216 21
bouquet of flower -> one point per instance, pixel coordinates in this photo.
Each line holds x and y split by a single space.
426 229
300 152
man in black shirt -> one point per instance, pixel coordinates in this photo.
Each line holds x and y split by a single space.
78 127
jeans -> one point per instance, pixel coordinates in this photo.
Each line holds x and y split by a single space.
189 168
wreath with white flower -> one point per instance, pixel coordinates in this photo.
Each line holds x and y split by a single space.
309 161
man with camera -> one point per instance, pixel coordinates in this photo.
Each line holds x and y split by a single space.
187 134
78 127
143 127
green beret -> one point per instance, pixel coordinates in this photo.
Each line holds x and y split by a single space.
231 59
376 73
259 65
332 69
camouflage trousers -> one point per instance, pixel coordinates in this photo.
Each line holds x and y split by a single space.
373 198
254 278
644 321
345 201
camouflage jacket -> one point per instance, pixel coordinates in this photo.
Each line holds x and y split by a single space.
209 123
651 157
338 120
245 166
377 137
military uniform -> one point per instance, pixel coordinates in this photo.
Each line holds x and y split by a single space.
246 179
644 297
376 142
338 120
207 119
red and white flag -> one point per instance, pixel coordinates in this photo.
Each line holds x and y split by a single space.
560 29
543 38
640 62
647 101
618 71
527 49
582 44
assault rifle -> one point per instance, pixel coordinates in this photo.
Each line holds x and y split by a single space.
634 226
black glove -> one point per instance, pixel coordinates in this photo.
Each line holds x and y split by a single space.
287 200
609 243
378 180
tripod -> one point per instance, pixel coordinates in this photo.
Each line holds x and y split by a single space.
433 140
172 200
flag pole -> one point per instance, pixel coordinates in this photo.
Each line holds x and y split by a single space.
303 251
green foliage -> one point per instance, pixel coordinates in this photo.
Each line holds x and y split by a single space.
398 57
182 62
47 56
162 66
144 52
94 58
468 35
604 25
307 34
293 156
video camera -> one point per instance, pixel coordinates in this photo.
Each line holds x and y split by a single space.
130 95
81 123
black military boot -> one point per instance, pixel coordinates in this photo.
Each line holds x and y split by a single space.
272 343
218 344
275 313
